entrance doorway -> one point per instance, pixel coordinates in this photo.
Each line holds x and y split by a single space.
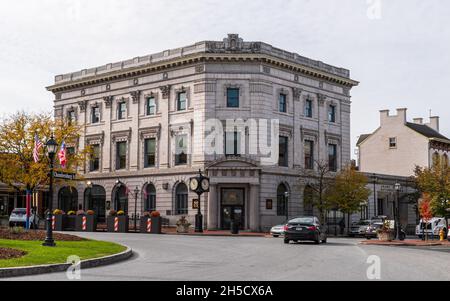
95 199
232 207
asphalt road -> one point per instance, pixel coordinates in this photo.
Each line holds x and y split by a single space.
191 258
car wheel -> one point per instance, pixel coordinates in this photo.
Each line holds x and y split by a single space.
317 241
324 241
368 238
276 236
286 241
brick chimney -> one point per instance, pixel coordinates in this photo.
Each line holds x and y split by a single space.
418 120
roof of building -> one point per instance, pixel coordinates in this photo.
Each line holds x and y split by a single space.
362 138
425 130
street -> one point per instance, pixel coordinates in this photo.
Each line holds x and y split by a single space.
192 258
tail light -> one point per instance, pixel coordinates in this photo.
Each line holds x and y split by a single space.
285 227
312 228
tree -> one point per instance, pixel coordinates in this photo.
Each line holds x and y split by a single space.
435 182
425 211
323 179
349 191
17 139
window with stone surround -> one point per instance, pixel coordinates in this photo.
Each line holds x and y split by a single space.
181 199
151 106
332 157
232 97
72 116
308 150
95 114
94 162
181 150
121 155
332 113
283 151
150 198
282 103
181 101
121 110
149 152
232 143
308 108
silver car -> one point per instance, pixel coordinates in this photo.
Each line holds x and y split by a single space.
359 228
19 218
277 231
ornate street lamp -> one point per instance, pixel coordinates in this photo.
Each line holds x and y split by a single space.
397 211
51 152
199 185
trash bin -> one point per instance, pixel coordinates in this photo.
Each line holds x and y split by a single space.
234 227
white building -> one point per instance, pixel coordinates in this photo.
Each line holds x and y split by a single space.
146 120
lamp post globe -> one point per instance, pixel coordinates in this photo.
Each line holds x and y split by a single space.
51 146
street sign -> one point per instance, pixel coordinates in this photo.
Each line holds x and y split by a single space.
64 175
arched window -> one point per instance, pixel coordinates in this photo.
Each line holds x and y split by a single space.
95 200
436 158
150 198
282 199
121 198
308 200
68 199
445 160
181 199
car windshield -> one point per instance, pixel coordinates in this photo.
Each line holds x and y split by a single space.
302 220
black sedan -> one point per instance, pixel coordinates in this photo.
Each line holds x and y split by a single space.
304 228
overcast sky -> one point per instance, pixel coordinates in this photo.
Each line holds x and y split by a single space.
398 49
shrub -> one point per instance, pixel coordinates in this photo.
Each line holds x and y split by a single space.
121 213
155 214
112 212
183 222
58 212
146 214
81 212
17 230
90 212
71 212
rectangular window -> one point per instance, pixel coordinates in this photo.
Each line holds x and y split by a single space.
181 101
332 113
283 151
283 103
309 154
392 142
332 157
95 158
181 150
151 106
232 98
72 117
308 108
149 152
121 155
122 110
232 143
95 115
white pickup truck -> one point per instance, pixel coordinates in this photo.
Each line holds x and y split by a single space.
432 228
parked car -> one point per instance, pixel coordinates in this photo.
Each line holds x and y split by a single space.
433 227
372 228
18 217
359 228
277 231
304 228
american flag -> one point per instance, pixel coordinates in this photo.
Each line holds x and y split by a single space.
37 146
62 155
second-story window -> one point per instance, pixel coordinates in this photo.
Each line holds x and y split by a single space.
122 110
151 106
232 98
181 150
181 101
72 117
94 164
121 158
282 103
332 113
283 151
232 143
392 142
332 157
149 152
95 114
309 154
308 108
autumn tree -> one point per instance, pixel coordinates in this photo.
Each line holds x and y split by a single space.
425 211
348 191
17 139
435 182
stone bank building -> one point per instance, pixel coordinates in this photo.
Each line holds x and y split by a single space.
145 121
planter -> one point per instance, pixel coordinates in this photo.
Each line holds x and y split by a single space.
182 229
386 236
155 225
143 224
91 223
58 222
70 222
122 223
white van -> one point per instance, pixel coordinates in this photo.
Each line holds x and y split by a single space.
433 227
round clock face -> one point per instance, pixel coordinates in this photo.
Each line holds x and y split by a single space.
194 184
205 184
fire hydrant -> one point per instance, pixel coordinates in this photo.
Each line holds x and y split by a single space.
441 235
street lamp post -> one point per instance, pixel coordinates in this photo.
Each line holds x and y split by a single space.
88 207
199 185
375 213
397 211
51 151
136 192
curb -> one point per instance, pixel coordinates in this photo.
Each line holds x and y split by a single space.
53 268
402 244
216 235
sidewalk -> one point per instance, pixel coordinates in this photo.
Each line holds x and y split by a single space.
407 242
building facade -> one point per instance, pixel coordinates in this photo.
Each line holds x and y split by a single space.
148 120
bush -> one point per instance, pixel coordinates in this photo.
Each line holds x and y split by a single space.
121 213
81 212
146 214
112 212
58 212
17 230
155 214
71 212
90 212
